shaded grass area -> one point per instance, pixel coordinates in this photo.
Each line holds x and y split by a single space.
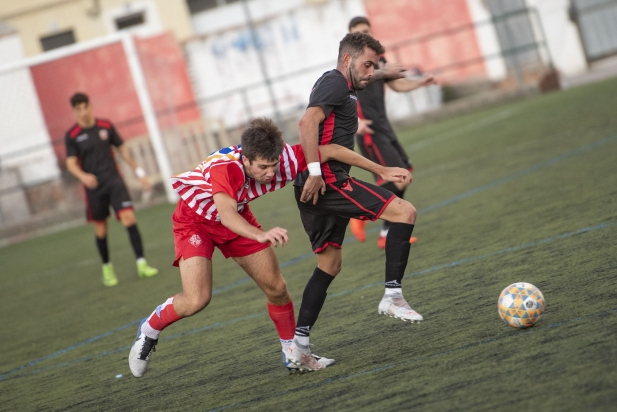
461 358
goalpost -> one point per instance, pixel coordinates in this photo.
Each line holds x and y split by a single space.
139 81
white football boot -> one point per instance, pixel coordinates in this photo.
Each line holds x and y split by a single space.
300 358
140 354
396 306
292 367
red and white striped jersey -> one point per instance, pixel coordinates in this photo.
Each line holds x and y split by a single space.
223 171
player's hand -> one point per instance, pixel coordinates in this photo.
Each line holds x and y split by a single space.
393 71
363 127
274 236
396 175
312 187
89 180
145 183
428 79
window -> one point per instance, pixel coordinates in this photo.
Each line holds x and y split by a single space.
196 6
57 40
130 20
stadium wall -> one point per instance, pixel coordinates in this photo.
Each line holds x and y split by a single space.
397 21
23 125
297 42
562 37
103 74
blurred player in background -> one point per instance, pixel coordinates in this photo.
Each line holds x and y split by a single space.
89 158
375 136
328 197
213 212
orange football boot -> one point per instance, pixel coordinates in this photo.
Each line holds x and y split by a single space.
357 229
381 241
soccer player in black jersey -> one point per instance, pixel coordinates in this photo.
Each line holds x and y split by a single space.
375 136
89 158
328 197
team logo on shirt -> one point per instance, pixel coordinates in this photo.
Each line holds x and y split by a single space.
195 240
103 134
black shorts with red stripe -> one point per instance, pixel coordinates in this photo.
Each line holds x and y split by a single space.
108 193
326 222
384 151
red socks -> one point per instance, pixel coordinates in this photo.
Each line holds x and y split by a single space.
284 319
163 316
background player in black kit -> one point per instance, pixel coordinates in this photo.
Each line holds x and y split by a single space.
327 197
89 157
375 137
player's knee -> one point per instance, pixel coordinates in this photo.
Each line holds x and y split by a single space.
332 268
277 290
410 213
196 303
128 219
405 212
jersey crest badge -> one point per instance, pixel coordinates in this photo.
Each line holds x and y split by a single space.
103 134
195 240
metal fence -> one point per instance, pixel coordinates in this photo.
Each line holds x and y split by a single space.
523 60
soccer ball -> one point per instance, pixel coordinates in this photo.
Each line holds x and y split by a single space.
521 305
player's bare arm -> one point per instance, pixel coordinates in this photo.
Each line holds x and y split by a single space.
87 179
407 85
391 71
309 138
125 153
344 155
231 219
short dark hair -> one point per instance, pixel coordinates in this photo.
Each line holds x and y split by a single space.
358 20
262 139
79 98
355 43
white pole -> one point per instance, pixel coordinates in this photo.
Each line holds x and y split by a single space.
61 52
149 115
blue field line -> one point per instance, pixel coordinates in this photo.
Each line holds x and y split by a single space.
103 335
70 348
418 359
127 348
519 174
221 324
481 257
349 239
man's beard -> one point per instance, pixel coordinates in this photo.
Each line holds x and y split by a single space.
355 77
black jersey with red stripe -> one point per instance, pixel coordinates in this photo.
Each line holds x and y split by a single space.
334 94
92 146
372 106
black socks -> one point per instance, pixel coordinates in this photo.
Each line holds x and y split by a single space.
312 301
397 253
135 238
101 245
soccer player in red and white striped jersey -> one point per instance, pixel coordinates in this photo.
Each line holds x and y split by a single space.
213 212
196 187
